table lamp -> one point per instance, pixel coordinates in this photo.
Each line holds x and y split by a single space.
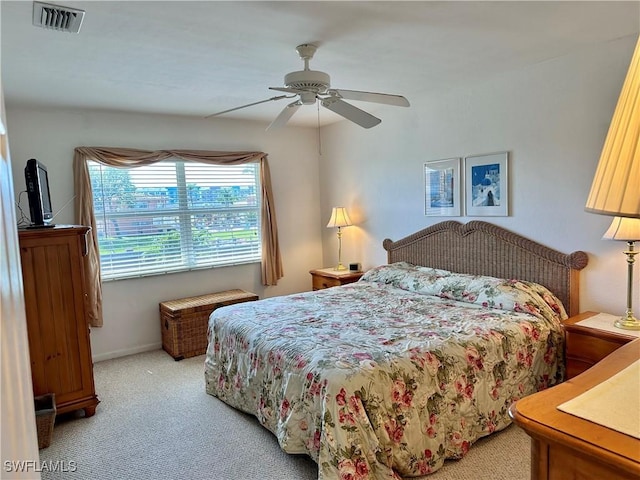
615 189
339 218
627 229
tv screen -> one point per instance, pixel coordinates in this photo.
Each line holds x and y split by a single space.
37 179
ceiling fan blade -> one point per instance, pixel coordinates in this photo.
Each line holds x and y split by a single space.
396 100
284 116
350 112
279 97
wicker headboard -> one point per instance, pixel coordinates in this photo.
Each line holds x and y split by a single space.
481 248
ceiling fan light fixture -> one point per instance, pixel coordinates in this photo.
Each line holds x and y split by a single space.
307 98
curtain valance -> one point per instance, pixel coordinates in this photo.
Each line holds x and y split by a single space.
131 158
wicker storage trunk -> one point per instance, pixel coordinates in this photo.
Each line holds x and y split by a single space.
184 321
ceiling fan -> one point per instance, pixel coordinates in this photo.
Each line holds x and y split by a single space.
311 85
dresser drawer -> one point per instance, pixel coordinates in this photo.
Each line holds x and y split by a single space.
590 348
328 277
586 344
318 283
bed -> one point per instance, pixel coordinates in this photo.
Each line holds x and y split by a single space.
389 376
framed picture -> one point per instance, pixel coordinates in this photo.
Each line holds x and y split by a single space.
486 185
442 187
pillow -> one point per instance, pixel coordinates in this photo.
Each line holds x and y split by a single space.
488 292
406 276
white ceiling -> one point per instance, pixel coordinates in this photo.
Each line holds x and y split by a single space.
196 58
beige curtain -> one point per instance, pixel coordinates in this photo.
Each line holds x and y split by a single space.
130 157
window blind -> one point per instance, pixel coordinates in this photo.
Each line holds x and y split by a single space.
175 216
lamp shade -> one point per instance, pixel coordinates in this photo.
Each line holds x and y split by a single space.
339 218
624 228
616 185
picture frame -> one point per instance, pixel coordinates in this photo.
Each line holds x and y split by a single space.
442 188
487 184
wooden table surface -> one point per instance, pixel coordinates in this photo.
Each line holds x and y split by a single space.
618 454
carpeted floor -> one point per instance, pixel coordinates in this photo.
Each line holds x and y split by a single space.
155 421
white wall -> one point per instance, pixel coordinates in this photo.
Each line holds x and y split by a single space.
131 318
552 118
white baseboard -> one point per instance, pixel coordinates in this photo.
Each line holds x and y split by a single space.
127 351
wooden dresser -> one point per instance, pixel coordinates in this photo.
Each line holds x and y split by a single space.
565 446
54 294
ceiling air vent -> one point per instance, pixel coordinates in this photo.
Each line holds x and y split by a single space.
55 17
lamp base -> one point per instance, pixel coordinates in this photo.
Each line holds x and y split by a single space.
340 267
628 322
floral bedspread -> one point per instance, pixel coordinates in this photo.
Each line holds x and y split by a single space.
391 375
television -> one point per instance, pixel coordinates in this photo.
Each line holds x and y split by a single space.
35 174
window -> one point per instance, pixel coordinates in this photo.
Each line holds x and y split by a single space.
174 216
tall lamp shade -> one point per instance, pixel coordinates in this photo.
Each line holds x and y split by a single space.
339 218
615 189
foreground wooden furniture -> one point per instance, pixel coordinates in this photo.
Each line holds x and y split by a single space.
54 295
585 346
564 446
328 277
184 322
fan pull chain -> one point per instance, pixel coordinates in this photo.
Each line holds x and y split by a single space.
319 136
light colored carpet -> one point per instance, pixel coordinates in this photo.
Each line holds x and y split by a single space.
155 421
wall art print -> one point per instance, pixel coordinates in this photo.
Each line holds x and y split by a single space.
442 188
486 184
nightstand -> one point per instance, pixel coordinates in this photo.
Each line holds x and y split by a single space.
589 337
328 277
